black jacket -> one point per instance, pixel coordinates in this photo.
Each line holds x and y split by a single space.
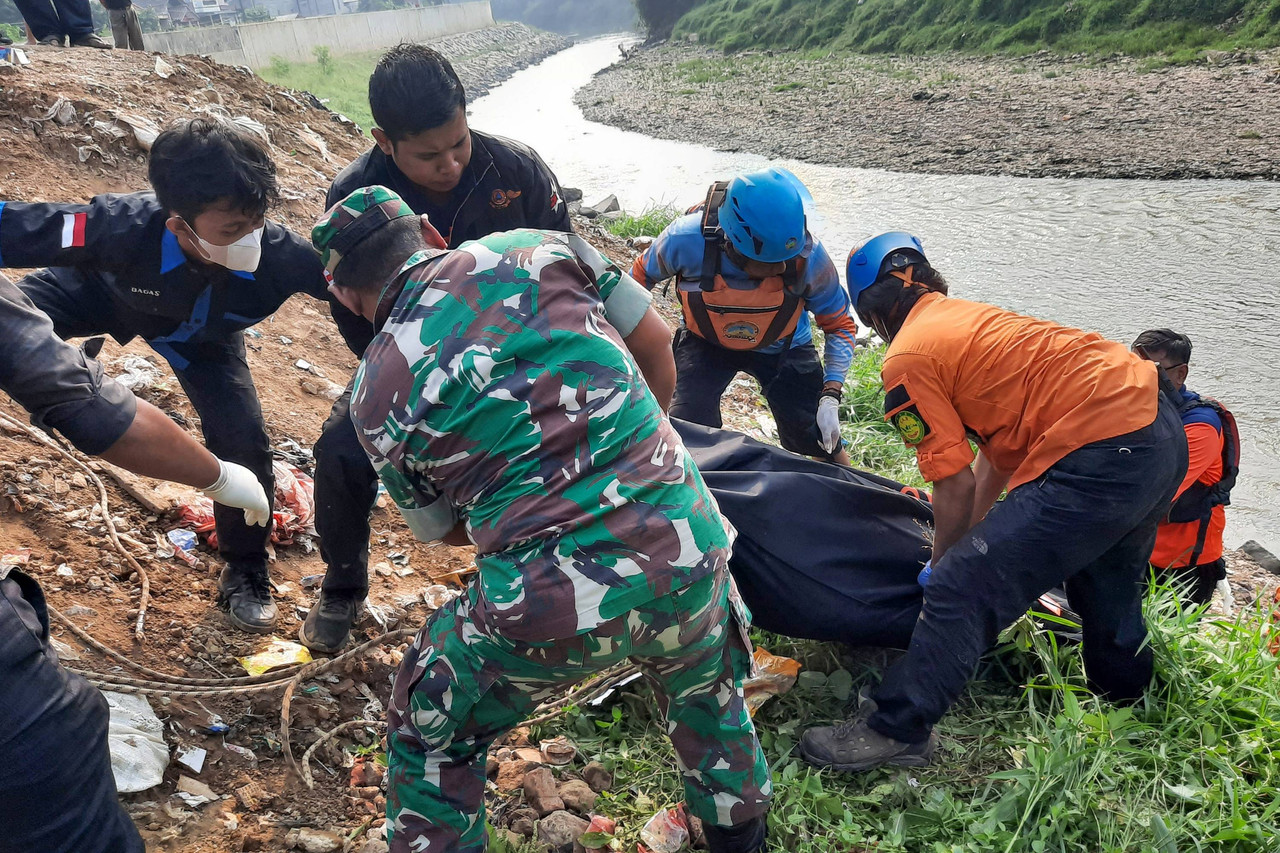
118 251
53 380
506 186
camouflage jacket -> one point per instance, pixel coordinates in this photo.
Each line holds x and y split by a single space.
498 382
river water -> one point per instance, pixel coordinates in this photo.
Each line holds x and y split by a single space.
1116 256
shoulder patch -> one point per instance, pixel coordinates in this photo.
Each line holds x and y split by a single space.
910 425
896 398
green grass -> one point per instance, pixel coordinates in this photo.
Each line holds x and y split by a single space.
341 80
1029 762
1029 759
650 223
1136 27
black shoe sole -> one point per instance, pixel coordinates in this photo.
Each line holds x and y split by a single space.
863 766
321 647
249 626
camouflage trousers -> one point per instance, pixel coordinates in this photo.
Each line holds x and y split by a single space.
458 690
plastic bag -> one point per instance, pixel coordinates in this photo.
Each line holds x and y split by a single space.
294 514
666 832
278 653
772 675
135 738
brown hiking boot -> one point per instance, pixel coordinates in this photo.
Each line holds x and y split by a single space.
853 746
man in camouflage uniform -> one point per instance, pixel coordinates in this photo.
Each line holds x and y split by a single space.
501 400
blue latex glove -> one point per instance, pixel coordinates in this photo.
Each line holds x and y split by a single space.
925 573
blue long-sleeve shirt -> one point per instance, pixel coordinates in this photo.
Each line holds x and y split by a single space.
678 253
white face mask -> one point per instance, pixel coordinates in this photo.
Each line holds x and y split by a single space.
241 256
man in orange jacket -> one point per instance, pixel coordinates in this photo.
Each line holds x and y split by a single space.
1188 548
1087 442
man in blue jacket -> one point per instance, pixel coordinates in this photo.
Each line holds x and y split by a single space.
57 794
187 268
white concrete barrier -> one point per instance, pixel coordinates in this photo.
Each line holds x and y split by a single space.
255 44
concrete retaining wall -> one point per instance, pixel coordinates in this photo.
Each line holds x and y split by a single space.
255 44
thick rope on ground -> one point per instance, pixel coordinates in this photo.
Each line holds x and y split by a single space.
42 437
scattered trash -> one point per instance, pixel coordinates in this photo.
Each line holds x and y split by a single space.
251 796
558 751
311 581
16 557
144 131
253 333
215 726
600 700
404 573
64 651
14 56
666 832
80 610
64 571
640 243
398 557
278 653
303 364
135 739
193 757
247 754
165 550
257 128
194 793
438 595
599 834
773 676
62 112
182 539
163 69
137 374
294 514
286 340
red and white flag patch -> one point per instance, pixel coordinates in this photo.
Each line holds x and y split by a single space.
73 229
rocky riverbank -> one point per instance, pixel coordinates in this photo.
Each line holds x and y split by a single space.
1034 116
485 58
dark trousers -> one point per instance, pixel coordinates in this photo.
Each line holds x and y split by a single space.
216 379
56 17
346 488
791 382
57 794
1195 583
1090 521
126 29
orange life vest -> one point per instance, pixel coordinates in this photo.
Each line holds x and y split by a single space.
739 318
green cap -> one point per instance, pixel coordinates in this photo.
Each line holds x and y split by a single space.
350 221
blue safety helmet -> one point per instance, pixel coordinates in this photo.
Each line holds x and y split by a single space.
763 216
894 250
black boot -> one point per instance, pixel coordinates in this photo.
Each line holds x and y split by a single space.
328 625
245 589
744 838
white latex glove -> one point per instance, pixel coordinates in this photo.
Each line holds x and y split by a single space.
829 423
236 486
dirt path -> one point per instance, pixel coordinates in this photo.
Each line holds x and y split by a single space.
1035 116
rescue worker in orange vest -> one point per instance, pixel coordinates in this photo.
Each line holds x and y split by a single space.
1086 438
1188 548
748 273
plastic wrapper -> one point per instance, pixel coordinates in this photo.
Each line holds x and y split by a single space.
294 515
135 739
772 675
665 832
277 653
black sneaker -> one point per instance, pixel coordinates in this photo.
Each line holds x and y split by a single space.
746 837
4 39
246 593
853 746
328 625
